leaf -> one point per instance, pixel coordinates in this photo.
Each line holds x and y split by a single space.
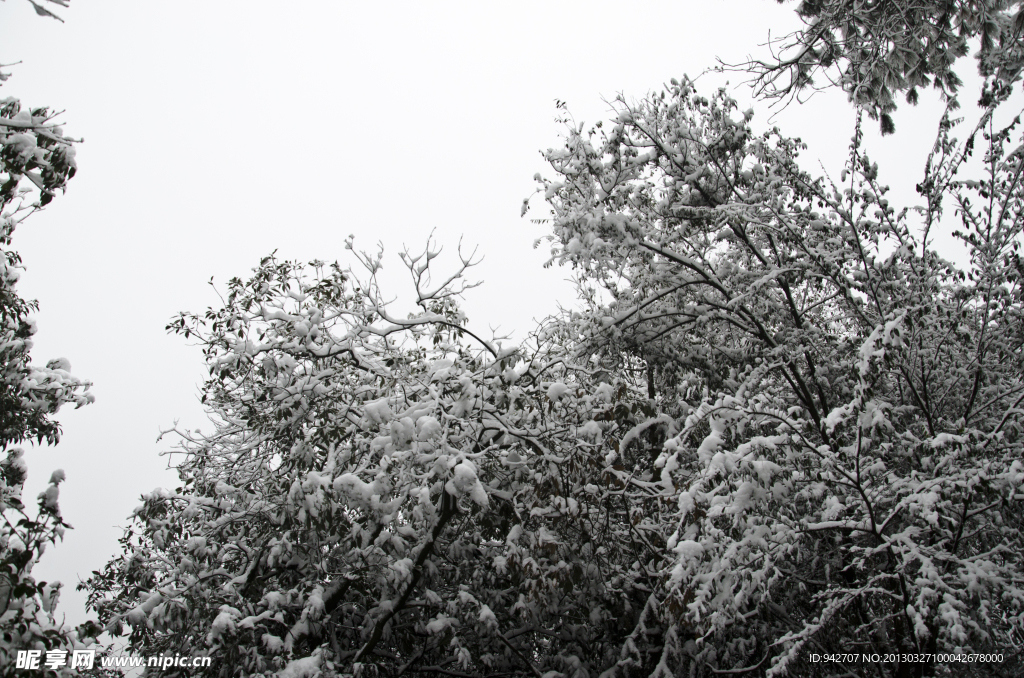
42 11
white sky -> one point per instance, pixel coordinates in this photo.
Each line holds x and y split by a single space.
218 131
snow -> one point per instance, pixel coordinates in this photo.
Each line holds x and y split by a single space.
440 623
514 534
315 602
465 481
689 549
634 432
557 390
306 667
487 616
403 431
591 431
22 144
377 411
273 599
62 364
403 567
427 428
440 369
49 496
546 536
273 644
223 624
354 487
712 441
138 614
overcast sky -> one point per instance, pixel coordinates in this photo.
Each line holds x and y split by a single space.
216 132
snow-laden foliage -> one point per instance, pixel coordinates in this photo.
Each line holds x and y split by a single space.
28 614
36 161
389 494
848 468
877 51
779 424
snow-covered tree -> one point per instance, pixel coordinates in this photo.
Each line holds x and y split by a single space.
877 51
779 424
388 494
36 162
847 472
34 152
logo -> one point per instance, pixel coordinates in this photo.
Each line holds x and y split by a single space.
55 659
